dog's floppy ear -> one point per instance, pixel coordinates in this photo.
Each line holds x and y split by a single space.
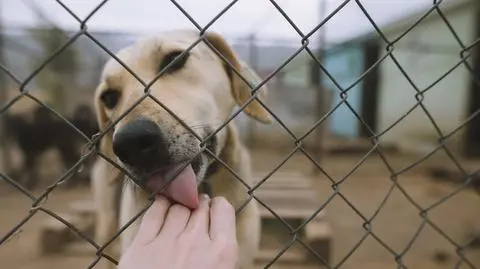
241 91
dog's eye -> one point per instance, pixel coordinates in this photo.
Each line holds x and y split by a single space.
178 64
110 98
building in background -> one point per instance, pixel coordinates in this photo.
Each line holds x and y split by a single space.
426 53
346 63
385 95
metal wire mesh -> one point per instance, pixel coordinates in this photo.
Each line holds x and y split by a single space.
304 40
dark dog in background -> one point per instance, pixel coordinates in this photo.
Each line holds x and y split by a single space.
40 130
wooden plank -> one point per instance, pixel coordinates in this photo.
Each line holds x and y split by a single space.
291 178
283 174
80 248
289 213
294 179
283 185
318 234
287 206
267 255
286 173
289 203
288 266
291 196
83 248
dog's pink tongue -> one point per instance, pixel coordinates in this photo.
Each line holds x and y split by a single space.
183 188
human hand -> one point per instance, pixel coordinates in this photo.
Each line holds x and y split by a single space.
174 237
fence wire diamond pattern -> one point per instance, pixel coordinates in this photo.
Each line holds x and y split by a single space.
304 39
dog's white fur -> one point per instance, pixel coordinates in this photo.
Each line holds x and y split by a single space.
200 93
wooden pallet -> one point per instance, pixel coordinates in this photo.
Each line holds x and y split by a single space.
292 197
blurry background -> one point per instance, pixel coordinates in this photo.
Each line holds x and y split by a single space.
415 50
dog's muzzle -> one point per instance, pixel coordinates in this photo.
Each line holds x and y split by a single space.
142 145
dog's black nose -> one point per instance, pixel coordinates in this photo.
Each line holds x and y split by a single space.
141 144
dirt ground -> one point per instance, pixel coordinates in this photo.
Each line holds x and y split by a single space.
393 228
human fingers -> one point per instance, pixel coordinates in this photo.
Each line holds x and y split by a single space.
175 221
152 221
200 218
222 219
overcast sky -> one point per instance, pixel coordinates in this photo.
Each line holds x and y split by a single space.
246 16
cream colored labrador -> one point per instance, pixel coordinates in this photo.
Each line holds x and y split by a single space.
153 146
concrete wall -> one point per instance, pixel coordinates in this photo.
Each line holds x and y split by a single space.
426 53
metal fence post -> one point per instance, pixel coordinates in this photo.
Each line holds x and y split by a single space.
317 83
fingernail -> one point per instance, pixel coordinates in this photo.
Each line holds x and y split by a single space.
222 202
204 197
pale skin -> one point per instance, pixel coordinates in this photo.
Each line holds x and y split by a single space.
172 236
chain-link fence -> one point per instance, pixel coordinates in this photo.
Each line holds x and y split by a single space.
467 58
